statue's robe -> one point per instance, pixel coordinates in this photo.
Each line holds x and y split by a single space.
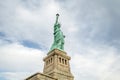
58 38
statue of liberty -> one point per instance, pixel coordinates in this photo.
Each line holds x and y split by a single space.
58 36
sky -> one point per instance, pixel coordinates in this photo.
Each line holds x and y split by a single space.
91 27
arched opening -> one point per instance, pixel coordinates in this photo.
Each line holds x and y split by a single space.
63 61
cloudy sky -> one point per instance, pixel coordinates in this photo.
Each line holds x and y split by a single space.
91 27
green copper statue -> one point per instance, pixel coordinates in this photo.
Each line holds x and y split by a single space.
58 36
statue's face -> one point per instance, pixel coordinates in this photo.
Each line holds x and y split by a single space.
58 25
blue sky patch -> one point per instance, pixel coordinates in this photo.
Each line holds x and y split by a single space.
2 34
31 44
2 78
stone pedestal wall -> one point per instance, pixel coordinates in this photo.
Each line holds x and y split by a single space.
56 64
40 76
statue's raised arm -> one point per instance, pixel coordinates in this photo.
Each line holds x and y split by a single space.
57 16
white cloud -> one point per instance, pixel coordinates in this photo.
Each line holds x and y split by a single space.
99 63
14 75
15 57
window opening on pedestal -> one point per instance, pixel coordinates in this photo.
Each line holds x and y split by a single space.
63 61
60 59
